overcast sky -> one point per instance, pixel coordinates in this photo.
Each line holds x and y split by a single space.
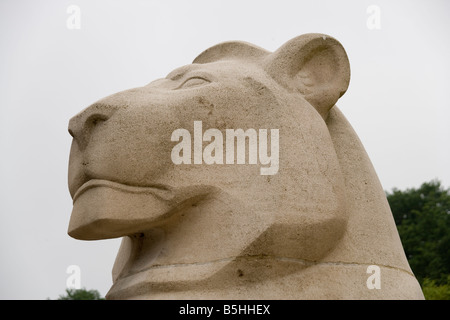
397 100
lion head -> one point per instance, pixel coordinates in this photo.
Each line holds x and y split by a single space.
221 229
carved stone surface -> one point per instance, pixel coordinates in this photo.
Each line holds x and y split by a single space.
307 225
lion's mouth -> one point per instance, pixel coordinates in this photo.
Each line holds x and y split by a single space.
104 209
160 189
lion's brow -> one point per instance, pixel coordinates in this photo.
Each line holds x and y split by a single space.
179 72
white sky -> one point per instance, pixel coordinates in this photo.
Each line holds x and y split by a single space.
397 101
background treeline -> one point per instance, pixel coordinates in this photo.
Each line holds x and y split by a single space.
422 217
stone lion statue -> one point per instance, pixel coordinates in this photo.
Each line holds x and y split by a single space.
200 219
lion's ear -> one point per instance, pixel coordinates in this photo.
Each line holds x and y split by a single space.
316 65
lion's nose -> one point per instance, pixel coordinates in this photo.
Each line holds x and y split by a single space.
82 124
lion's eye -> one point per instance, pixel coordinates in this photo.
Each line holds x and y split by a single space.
194 82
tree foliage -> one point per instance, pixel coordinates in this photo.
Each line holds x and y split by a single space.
81 294
422 217
433 291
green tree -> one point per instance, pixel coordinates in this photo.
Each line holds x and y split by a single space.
432 291
81 294
422 217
